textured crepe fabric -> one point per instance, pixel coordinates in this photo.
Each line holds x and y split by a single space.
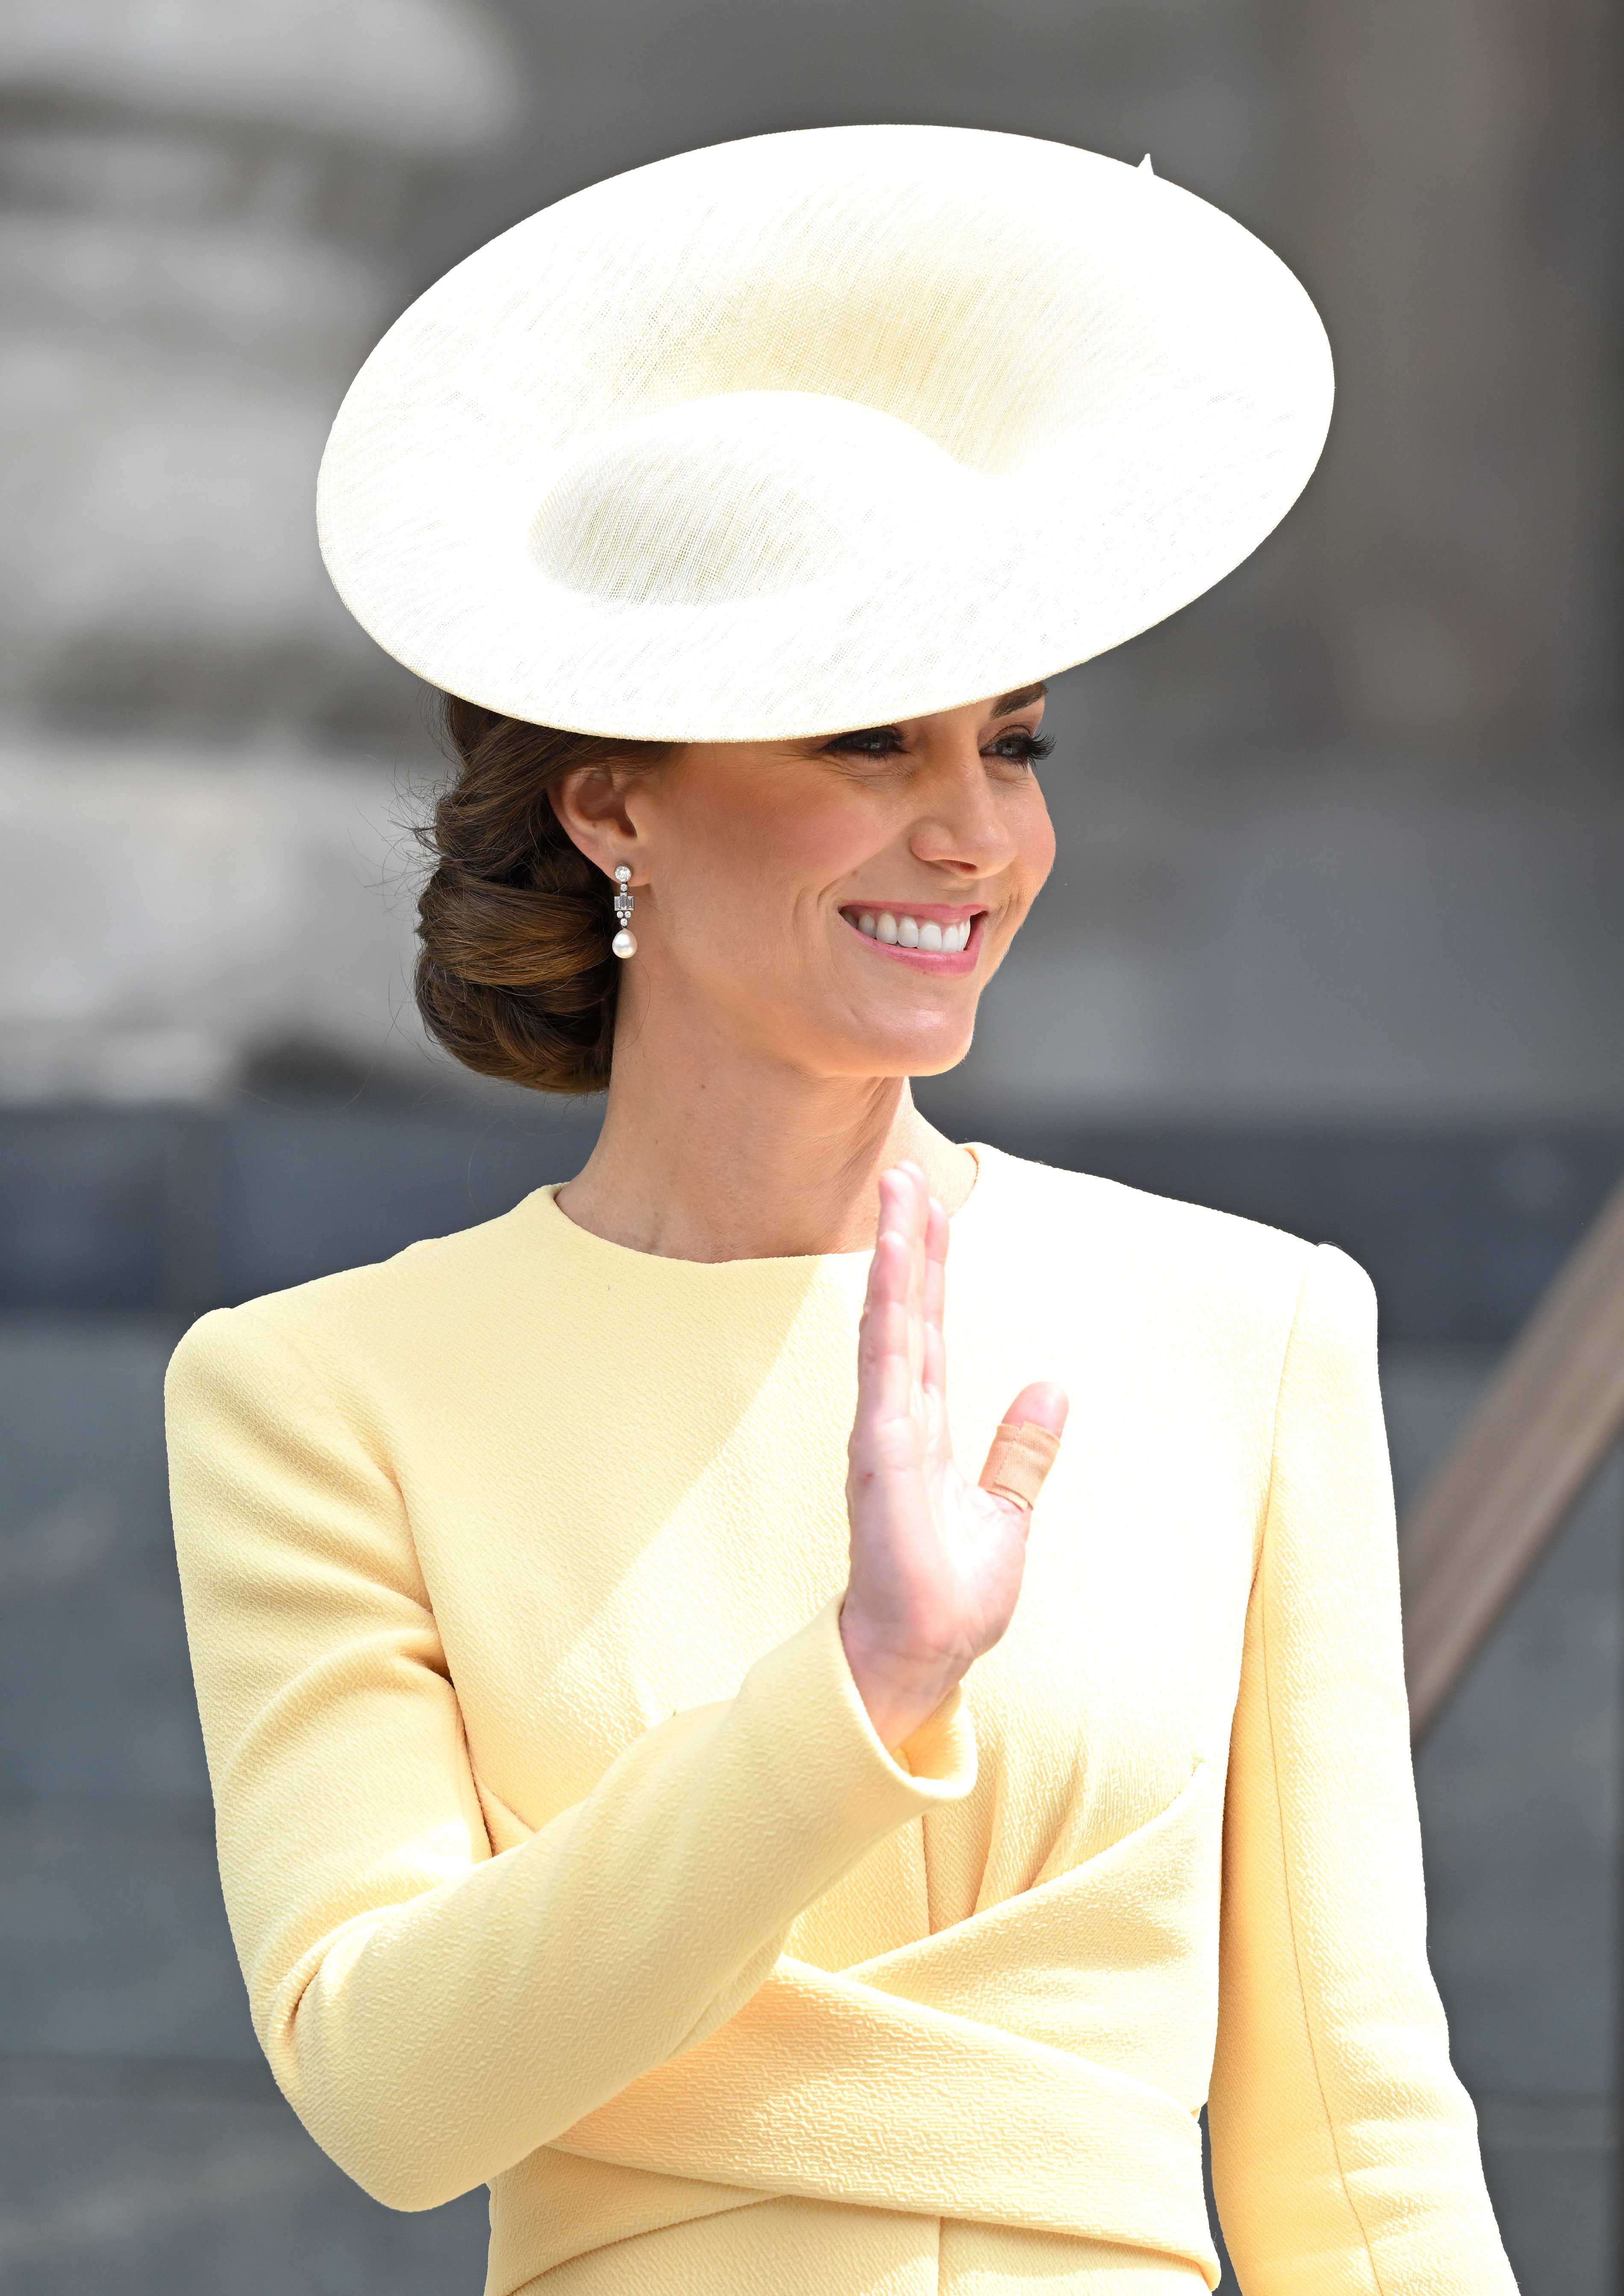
560 1855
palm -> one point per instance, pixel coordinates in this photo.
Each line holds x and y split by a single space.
936 1561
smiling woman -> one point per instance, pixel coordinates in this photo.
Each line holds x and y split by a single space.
513 977
654 1776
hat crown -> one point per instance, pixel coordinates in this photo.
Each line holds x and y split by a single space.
831 427
744 496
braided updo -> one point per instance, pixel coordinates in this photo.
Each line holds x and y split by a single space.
515 977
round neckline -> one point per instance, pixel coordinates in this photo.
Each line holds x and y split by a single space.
545 1201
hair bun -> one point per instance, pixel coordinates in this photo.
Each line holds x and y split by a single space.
515 977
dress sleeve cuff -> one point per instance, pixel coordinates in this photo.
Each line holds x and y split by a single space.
835 1758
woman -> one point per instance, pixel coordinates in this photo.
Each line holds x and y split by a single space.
654 1777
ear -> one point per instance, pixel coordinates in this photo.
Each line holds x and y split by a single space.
592 811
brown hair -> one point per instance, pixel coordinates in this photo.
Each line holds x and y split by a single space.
515 977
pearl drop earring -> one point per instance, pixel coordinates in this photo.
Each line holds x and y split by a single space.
625 942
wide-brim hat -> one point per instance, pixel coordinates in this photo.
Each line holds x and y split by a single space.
818 430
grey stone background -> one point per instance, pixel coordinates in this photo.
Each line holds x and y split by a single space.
1341 839
1335 935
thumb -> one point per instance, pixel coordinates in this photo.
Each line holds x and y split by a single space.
1027 1444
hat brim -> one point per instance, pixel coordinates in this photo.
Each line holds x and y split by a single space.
821 430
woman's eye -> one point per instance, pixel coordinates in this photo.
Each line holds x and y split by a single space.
872 742
1019 746
1022 747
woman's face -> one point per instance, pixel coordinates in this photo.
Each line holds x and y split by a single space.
837 905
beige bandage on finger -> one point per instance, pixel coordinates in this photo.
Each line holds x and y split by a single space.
1018 1460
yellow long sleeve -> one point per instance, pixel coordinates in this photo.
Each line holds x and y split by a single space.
398 1972
1344 2148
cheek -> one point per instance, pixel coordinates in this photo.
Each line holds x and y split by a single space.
752 867
1035 843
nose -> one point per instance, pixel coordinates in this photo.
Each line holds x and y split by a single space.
962 828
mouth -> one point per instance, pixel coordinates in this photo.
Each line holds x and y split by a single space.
930 936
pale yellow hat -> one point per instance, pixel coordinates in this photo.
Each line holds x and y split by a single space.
820 431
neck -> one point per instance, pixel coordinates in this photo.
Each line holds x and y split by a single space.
751 1161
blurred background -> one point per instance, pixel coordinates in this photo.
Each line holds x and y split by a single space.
1336 935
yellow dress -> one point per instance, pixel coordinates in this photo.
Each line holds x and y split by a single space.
560 1853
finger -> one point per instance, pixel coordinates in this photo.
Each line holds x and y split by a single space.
935 1301
892 1339
1043 1405
1026 1444
917 1201
914 1203
895 1224
882 1266
888 1347
885 1370
936 1250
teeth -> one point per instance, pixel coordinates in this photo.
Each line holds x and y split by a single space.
908 932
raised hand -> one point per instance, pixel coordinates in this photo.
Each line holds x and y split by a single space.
936 1562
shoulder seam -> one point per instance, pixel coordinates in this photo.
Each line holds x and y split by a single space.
292 1346
1273 1751
1310 1257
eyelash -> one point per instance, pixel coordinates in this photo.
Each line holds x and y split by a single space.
1034 747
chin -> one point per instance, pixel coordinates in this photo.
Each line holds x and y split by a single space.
937 1063
909 1052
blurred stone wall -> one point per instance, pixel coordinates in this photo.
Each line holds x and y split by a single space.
1342 840
210 211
